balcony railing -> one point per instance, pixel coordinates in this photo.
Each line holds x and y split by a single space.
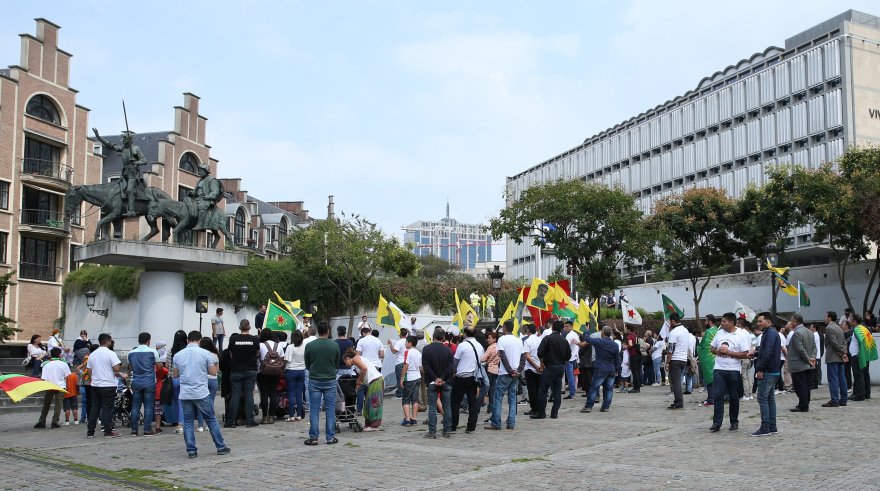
46 168
34 271
44 218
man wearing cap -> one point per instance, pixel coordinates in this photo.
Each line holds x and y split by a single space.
132 159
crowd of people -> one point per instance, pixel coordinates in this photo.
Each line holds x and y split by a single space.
444 374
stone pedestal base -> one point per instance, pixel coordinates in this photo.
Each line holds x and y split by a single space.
161 303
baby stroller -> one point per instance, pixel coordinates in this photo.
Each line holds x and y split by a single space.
122 405
346 403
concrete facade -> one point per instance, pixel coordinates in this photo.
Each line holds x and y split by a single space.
802 104
44 150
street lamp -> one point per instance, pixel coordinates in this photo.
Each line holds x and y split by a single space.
496 275
90 303
243 293
771 252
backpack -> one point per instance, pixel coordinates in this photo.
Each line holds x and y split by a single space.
273 364
643 346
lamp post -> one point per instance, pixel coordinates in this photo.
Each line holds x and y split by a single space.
496 275
772 254
90 303
243 294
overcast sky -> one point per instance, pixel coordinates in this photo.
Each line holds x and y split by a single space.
393 107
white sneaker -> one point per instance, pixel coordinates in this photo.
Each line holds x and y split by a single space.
778 392
75 422
655 385
200 429
67 423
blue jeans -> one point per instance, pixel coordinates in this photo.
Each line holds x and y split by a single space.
205 407
218 339
767 400
242 386
606 381
445 392
726 382
145 396
212 393
504 384
84 409
656 362
326 390
295 387
569 376
836 382
688 382
178 407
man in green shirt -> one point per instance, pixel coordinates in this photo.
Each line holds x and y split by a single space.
322 359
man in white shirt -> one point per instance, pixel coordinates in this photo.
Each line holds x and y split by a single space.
532 369
371 349
729 348
676 357
364 323
467 363
218 329
398 348
573 340
510 352
104 365
54 371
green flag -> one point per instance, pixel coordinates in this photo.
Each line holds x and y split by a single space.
279 319
867 345
704 353
670 307
803 298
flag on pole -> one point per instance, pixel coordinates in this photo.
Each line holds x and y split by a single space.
468 315
279 319
518 311
508 314
292 307
743 312
781 275
386 315
629 313
427 334
563 305
669 307
483 303
458 313
594 316
581 323
803 298
540 295
664 330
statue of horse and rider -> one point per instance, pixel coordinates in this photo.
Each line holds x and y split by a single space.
130 197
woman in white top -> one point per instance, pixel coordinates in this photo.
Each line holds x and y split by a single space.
35 355
369 376
295 376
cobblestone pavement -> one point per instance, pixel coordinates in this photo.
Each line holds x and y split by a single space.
637 445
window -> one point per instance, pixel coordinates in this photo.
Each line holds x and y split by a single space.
37 259
239 234
40 158
189 162
4 240
41 107
4 195
182 192
39 207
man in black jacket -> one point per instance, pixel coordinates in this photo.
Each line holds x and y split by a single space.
768 367
439 367
554 352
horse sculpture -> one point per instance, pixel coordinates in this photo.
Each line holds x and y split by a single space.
180 212
108 197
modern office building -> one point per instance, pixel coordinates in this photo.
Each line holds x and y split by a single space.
458 243
44 150
803 103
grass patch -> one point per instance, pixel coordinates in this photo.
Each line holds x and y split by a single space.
352 445
527 459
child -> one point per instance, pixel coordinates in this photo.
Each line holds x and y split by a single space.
70 399
410 381
161 373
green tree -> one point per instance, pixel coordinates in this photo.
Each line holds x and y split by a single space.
767 215
597 228
6 330
348 254
860 168
431 266
693 231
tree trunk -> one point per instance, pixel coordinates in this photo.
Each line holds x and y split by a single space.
841 276
870 286
351 311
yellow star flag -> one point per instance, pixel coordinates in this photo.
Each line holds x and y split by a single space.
292 307
583 317
508 315
387 316
540 295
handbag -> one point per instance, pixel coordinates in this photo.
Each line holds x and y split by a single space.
480 374
166 396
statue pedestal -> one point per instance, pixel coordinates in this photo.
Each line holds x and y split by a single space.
160 299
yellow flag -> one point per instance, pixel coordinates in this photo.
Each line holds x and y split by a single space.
427 334
292 307
518 312
468 315
387 316
508 315
778 271
457 309
482 303
540 295
785 286
583 317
